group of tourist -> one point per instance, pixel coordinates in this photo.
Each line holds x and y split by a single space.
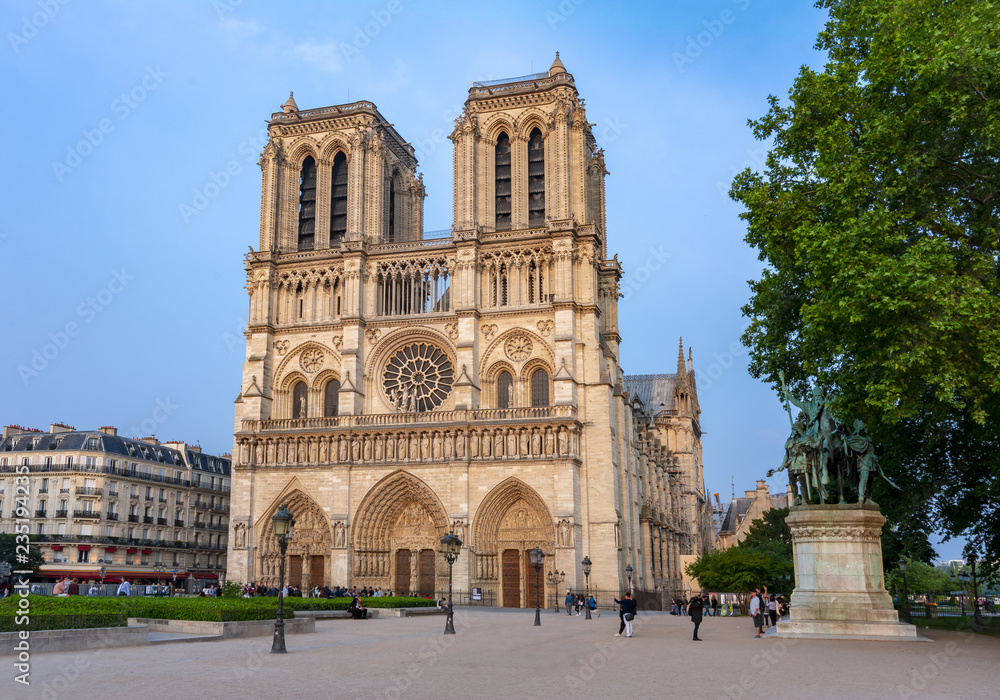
710 606
578 602
766 609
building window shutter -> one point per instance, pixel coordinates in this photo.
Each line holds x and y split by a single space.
307 205
503 191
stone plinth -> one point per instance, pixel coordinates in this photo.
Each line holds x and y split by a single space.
839 582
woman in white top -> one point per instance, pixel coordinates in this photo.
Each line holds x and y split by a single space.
772 610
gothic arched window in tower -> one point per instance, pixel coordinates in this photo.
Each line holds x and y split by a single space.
418 378
300 405
505 390
503 191
330 398
338 200
540 388
536 179
307 204
391 233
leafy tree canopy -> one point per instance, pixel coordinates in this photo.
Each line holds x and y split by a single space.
733 570
878 217
9 553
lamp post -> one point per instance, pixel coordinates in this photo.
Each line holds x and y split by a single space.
906 597
537 558
283 523
555 578
159 568
451 547
586 574
628 572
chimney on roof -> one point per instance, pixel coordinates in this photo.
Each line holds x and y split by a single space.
60 428
150 439
108 430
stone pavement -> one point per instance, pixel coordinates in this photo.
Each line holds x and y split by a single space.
500 654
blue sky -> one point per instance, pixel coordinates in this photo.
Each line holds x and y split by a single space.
132 190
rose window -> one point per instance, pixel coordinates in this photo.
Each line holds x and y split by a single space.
311 360
518 348
419 377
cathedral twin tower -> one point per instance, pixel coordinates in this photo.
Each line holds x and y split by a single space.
397 388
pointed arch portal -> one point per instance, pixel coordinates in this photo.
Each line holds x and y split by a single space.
511 521
397 531
308 562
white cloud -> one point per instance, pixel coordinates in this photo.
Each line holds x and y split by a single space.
325 56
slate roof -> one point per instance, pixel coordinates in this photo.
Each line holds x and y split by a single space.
115 445
656 391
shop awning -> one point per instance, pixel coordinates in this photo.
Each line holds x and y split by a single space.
110 549
131 550
206 576
83 547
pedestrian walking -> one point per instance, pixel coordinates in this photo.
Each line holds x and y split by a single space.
715 606
569 602
592 604
695 609
756 612
772 610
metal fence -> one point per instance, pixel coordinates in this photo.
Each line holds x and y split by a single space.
924 610
101 590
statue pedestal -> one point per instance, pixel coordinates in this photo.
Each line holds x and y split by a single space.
839 584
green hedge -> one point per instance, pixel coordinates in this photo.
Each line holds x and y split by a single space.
84 612
81 612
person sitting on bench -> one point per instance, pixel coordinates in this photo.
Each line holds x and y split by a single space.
357 610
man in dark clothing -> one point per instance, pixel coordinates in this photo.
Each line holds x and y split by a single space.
695 608
715 606
626 611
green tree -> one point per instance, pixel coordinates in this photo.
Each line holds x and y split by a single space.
921 579
771 535
733 570
9 553
878 218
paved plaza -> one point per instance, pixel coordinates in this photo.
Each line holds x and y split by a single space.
500 654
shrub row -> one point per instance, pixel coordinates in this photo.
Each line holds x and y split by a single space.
81 612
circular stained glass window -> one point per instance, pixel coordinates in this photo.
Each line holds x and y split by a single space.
418 378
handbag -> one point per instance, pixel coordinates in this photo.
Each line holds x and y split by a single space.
630 616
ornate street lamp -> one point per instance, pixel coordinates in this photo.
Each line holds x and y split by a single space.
555 578
906 597
537 558
283 523
628 572
451 547
586 574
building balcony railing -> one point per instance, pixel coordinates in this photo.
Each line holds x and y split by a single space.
111 516
161 521
133 518
89 491
377 420
95 514
65 490
62 513
147 519
219 508
220 527
41 514
178 523
113 494
44 489
162 499
198 503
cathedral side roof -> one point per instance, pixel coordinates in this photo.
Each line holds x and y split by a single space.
656 391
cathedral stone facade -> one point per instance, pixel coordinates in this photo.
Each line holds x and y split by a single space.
398 387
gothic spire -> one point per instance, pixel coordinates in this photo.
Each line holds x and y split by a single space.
681 365
557 66
290 105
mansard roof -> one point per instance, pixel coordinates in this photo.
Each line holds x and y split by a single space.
116 446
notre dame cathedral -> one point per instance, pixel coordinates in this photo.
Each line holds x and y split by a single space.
398 387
